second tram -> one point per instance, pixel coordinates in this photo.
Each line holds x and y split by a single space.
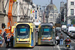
46 34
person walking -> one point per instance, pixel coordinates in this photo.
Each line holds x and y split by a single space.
4 35
7 40
61 39
57 39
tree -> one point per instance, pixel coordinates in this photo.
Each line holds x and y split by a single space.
73 22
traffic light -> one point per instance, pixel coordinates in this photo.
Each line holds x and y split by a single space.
3 25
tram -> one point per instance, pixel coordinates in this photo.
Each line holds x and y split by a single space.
24 34
46 34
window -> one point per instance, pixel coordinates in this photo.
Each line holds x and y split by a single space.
72 11
72 3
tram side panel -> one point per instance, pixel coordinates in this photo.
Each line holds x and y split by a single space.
39 36
32 35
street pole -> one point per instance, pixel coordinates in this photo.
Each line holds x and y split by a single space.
47 15
53 15
18 12
43 13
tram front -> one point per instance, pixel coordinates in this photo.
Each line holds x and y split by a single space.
22 36
46 35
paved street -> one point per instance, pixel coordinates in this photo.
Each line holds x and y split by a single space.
45 47
72 43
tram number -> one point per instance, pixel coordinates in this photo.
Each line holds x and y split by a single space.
46 26
23 26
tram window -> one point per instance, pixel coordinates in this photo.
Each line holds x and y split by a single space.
46 30
23 30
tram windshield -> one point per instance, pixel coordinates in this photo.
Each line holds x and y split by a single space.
23 32
46 32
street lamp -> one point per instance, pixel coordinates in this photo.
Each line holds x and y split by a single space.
47 15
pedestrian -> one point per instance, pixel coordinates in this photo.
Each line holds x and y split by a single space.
61 39
7 40
57 39
3 41
4 35
11 41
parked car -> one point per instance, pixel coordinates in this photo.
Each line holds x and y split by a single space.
63 27
65 30
58 29
71 31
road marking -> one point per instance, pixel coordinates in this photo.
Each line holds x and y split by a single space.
39 48
58 47
9 49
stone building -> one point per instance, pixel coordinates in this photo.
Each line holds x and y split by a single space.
23 9
70 11
52 13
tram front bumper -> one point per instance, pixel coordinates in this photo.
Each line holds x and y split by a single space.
22 44
47 41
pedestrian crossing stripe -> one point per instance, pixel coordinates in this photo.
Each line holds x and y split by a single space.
63 47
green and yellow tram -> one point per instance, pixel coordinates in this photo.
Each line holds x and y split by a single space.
46 34
24 34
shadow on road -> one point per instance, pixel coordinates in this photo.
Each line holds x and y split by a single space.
22 48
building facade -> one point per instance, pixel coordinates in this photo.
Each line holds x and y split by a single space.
70 11
23 10
52 13
1 13
62 11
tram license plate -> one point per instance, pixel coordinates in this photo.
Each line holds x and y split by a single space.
45 40
67 45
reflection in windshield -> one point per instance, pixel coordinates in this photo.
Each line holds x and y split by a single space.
46 33
58 28
23 32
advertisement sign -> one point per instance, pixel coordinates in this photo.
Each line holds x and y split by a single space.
35 14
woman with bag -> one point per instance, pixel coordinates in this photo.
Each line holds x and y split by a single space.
57 39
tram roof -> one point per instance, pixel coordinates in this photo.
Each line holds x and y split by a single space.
47 24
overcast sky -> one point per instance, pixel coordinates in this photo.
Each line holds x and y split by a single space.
46 2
